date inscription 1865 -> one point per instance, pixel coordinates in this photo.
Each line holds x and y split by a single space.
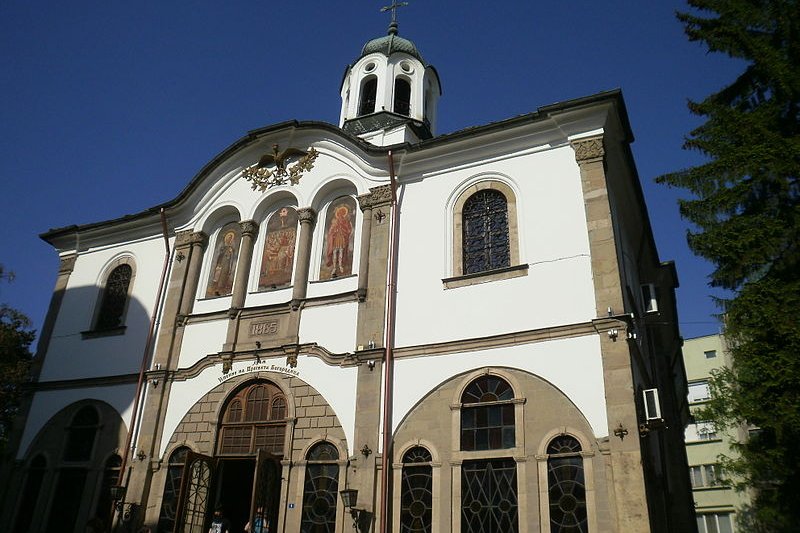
260 329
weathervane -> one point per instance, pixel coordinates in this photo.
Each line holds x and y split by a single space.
264 179
393 9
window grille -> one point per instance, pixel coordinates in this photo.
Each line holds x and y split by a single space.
172 489
489 496
485 244
115 296
416 499
566 486
320 490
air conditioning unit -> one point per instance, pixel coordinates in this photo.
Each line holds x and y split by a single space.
652 407
649 298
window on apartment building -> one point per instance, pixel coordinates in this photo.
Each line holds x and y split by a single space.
699 391
710 354
700 431
714 523
705 476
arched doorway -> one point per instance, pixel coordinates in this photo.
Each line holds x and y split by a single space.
244 475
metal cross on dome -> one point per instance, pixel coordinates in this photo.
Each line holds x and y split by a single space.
393 9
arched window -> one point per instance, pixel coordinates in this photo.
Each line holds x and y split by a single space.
110 479
416 498
402 97
30 494
172 488
485 240
115 298
81 435
369 91
487 415
255 418
321 489
566 486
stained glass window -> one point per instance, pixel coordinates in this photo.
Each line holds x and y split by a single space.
416 499
566 486
487 415
115 296
485 244
321 490
30 494
489 496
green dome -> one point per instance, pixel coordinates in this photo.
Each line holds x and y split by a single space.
391 43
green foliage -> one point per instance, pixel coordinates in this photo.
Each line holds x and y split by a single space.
15 359
746 214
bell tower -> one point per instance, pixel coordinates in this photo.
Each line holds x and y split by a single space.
389 95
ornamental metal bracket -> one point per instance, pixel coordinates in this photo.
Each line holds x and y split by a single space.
262 178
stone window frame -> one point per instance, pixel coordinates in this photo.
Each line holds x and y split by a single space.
516 453
105 274
587 454
515 269
436 472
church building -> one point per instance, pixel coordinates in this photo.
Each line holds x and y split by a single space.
369 327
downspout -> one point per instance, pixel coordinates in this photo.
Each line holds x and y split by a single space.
145 359
391 298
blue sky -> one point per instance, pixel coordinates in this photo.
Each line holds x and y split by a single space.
109 108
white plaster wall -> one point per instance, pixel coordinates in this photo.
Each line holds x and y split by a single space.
339 391
574 366
69 356
553 240
47 404
332 327
200 340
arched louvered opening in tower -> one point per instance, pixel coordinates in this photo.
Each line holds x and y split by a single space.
369 91
402 97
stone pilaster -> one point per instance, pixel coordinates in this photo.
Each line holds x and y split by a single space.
307 217
626 486
373 269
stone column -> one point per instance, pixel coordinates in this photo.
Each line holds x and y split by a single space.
626 483
307 217
192 250
377 195
249 232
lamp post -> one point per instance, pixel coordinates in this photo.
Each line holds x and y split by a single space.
349 499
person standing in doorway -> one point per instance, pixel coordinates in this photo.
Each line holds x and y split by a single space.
220 524
260 522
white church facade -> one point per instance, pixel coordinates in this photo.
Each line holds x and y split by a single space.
474 331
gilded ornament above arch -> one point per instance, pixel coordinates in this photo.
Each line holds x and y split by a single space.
263 179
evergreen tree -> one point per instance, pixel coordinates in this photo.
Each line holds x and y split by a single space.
15 357
745 211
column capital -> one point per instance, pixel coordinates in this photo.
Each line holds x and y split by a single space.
189 237
381 195
306 215
588 149
67 264
249 228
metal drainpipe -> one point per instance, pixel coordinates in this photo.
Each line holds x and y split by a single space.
145 358
389 359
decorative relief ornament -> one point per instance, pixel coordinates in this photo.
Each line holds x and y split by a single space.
264 178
